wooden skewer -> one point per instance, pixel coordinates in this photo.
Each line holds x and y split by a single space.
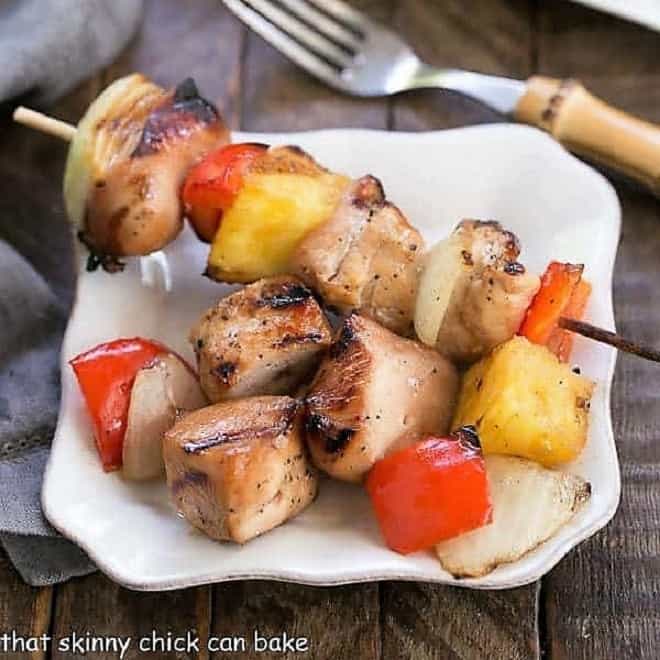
611 338
44 123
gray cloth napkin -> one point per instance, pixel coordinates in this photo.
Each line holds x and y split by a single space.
32 320
46 48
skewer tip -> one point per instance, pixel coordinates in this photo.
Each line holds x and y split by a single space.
611 338
44 123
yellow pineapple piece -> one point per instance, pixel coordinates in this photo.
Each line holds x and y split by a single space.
525 402
270 216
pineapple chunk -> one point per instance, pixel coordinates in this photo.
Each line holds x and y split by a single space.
270 216
525 402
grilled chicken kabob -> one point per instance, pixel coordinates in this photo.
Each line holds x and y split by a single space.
275 210
380 407
128 183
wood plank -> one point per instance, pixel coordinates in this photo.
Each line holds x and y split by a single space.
338 622
96 606
426 621
600 601
23 609
492 37
201 39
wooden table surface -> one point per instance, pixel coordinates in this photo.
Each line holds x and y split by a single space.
602 600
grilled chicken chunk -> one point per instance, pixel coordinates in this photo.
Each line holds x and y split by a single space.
128 160
365 257
473 293
263 339
237 469
373 392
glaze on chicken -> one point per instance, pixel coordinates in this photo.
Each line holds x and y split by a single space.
374 391
365 257
266 338
239 468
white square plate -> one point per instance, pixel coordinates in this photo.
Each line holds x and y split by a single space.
644 12
560 209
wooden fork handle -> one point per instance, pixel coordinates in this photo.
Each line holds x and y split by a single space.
591 128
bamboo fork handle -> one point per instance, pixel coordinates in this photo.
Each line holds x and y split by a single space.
591 128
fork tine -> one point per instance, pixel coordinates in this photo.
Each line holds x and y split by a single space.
280 40
336 30
345 13
301 33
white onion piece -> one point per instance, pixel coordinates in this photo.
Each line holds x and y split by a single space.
159 390
530 503
442 270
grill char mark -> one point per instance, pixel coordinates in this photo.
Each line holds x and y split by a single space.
288 340
175 119
288 295
200 445
345 340
225 372
468 436
334 439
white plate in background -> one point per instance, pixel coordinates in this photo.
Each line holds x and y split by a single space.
560 209
645 12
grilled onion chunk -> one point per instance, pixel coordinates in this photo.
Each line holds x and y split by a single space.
160 390
530 504
128 159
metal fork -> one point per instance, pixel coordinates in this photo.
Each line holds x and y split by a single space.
355 54
351 52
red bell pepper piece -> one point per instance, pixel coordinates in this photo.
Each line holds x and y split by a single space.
563 292
212 185
430 491
105 375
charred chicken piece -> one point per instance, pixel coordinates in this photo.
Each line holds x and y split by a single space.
237 469
372 394
128 159
365 257
264 339
473 293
